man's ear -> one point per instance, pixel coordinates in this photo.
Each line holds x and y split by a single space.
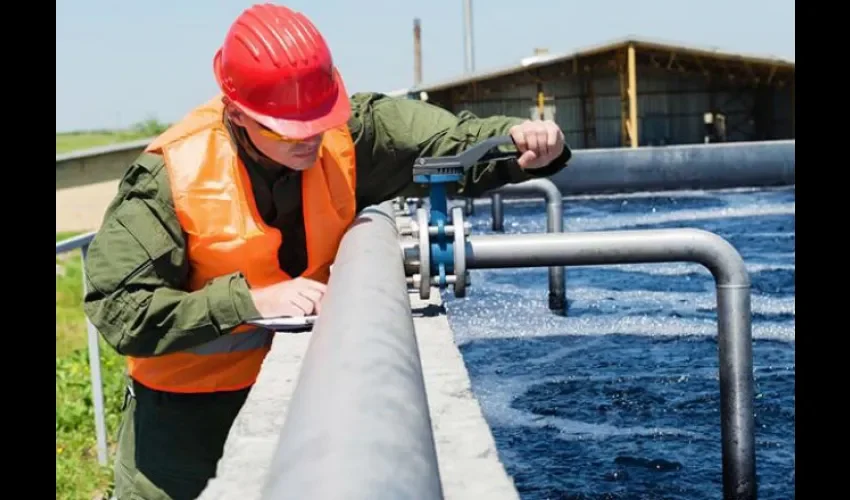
236 118
233 112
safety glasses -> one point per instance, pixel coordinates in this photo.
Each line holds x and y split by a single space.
270 134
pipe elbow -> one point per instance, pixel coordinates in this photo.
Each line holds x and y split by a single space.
720 257
546 187
550 191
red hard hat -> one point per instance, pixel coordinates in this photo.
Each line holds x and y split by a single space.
277 68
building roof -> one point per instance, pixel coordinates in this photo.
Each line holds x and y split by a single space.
638 42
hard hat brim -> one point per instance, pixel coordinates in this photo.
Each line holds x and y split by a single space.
305 125
312 124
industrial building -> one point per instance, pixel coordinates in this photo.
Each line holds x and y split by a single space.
634 92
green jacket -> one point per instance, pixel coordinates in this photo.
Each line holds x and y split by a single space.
136 268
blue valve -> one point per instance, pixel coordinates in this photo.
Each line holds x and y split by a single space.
442 254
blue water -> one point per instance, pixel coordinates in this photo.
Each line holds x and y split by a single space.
620 400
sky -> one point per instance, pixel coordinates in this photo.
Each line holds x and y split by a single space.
121 62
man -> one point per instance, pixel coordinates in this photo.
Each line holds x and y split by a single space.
236 213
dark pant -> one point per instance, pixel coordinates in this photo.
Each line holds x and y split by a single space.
169 444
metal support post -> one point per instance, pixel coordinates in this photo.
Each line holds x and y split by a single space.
400 205
665 245
554 224
497 212
358 425
468 44
96 377
469 208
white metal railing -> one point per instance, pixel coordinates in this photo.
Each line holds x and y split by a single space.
82 242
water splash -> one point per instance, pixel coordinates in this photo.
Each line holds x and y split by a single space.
620 398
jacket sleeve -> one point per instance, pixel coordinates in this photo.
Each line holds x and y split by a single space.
136 272
391 133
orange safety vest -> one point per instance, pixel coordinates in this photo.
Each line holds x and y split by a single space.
215 205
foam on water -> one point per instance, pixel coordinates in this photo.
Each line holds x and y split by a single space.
518 224
621 399
492 393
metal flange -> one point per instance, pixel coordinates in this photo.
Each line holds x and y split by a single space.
420 267
424 254
459 252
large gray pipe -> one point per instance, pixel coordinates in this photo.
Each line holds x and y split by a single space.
358 425
737 422
692 166
554 224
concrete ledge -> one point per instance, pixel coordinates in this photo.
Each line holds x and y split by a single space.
249 449
92 166
468 460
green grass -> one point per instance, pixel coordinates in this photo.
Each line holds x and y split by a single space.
78 474
73 141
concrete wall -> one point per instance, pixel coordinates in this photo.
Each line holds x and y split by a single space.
95 165
86 181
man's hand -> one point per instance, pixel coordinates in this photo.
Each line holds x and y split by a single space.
297 297
540 142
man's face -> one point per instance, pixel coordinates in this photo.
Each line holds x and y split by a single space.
296 154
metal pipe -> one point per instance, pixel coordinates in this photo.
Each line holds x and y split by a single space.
554 224
417 52
468 204
496 212
73 243
664 245
691 166
94 369
468 47
358 425
416 202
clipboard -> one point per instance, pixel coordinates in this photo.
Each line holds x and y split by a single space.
292 324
